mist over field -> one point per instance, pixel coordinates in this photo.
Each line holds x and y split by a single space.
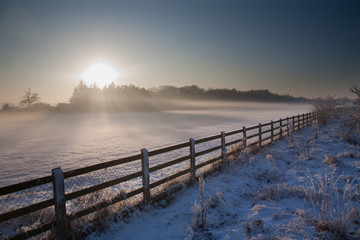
88 82
31 144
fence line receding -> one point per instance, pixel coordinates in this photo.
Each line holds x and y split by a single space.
67 196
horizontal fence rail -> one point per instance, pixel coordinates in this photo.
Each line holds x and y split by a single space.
147 176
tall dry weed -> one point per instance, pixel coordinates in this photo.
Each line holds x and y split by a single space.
333 206
200 208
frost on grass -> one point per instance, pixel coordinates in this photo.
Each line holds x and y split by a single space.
317 205
258 195
333 200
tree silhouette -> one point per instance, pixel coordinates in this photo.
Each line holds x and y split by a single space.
29 98
356 90
78 91
6 107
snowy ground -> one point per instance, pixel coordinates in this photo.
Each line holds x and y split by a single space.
304 187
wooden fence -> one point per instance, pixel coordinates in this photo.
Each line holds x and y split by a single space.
259 135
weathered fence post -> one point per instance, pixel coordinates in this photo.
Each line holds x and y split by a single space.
260 135
281 129
145 175
192 160
223 147
299 125
272 131
244 136
60 205
287 126
293 123
303 118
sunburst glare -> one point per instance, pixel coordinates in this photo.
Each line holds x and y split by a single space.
99 73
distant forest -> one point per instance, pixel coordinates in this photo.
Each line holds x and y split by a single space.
196 93
132 98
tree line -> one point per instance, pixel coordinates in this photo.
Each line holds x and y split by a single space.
195 92
132 98
116 98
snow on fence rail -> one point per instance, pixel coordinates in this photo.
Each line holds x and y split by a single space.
33 207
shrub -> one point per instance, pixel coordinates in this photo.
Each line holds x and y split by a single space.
40 107
6 107
323 108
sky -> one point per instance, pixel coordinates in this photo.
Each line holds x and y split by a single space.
302 48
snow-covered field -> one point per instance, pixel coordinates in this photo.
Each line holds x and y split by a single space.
32 144
306 186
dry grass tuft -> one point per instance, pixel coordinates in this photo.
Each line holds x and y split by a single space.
276 192
315 127
333 207
329 160
235 149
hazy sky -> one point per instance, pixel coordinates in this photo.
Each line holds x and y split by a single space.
304 48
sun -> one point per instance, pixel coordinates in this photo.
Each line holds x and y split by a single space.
99 73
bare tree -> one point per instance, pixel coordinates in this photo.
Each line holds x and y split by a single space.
355 89
29 98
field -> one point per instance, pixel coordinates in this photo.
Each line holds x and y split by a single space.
32 144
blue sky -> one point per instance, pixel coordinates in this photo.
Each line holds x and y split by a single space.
303 48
